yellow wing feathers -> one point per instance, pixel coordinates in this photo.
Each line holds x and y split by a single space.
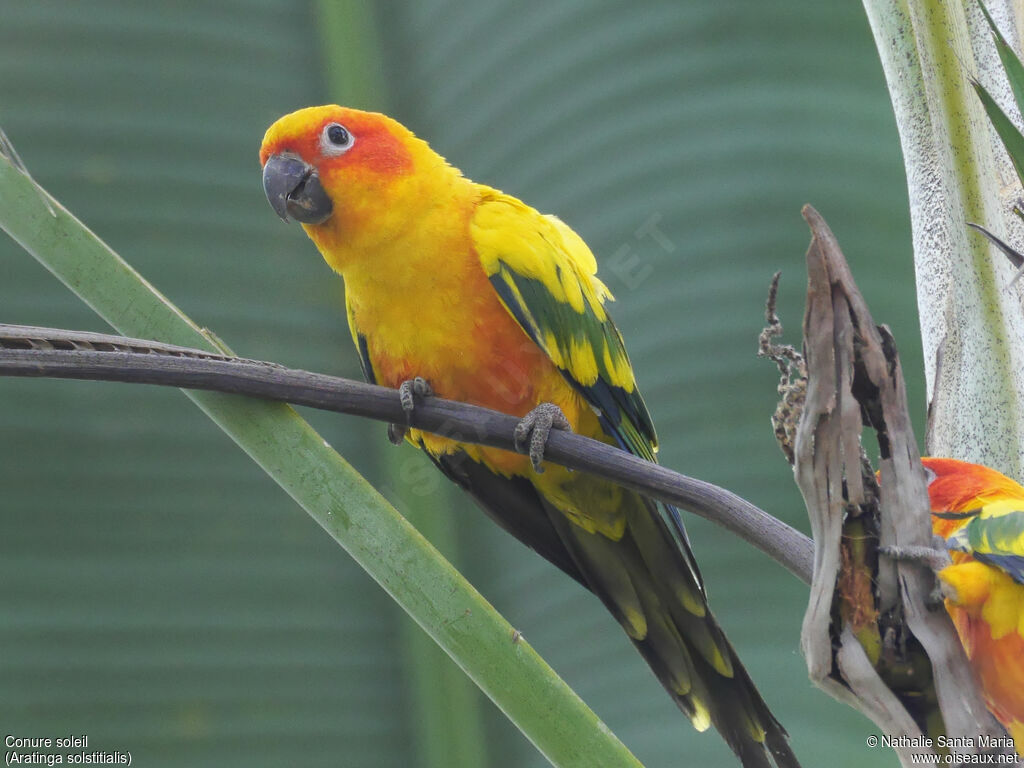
524 250
545 276
538 246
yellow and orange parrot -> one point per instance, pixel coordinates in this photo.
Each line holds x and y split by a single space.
456 289
980 514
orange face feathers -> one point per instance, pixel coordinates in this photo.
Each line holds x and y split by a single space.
376 142
959 486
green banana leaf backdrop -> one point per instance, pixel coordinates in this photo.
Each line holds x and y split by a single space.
161 595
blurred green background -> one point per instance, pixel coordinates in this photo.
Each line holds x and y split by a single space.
163 596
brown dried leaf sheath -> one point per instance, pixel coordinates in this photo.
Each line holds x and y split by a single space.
867 629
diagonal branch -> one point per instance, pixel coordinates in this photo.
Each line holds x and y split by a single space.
52 353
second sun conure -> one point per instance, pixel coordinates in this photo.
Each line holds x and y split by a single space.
476 296
980 514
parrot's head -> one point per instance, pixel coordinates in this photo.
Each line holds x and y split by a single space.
959 486
351 178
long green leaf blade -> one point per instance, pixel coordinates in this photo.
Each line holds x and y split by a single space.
1013 66
1008 133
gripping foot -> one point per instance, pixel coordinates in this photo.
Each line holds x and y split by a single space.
534 429
408 392
935 557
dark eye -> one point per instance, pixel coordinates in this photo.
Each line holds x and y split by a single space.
338 135
335 140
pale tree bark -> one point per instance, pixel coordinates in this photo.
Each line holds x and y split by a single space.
957 171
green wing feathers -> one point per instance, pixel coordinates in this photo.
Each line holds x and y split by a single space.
547 279
995 535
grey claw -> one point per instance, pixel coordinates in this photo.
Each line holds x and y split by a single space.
536 426
408 392
410 389
936 599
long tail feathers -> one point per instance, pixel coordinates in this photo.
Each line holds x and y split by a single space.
649 581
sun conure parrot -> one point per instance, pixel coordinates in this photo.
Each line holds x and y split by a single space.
456 289
980 514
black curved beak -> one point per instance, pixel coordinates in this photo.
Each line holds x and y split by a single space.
293 189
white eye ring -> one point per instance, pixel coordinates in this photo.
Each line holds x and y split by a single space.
930 475
335 139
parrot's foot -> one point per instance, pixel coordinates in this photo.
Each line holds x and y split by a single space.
537 425
935 557
408 392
